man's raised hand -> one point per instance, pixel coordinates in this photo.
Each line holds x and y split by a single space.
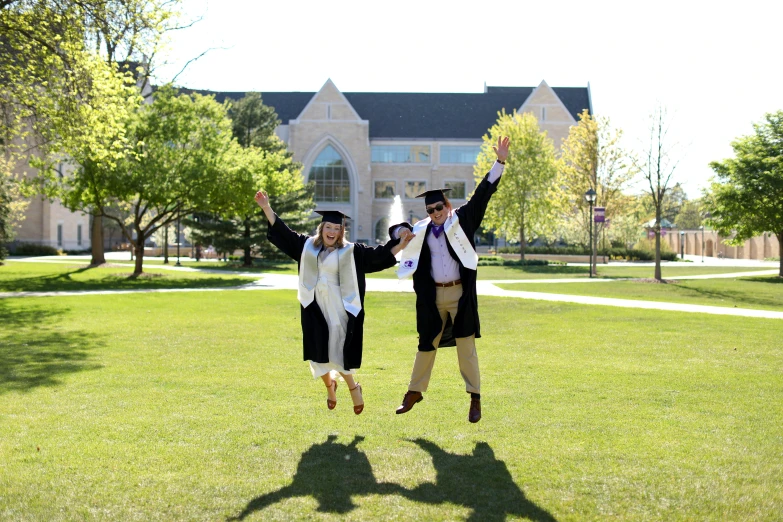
502 148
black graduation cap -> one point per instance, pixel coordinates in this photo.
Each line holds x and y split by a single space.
332 216
434 195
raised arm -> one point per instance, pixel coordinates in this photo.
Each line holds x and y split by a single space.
262 198
381 257
474 209
289 242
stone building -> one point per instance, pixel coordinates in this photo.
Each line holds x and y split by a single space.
364 148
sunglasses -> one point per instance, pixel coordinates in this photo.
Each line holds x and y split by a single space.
436 208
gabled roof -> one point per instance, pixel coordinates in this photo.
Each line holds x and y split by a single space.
423 115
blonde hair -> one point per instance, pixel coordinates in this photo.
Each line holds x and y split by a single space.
319 236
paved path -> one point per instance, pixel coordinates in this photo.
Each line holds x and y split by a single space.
489 288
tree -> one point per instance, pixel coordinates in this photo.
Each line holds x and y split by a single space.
243 226
254 123
240 226
591 158
747 198
689 217
658 165
522 206
68 68
11 205
183 161
673 202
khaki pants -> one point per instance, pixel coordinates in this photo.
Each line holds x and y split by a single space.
447 301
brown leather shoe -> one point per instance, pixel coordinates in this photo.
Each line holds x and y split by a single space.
474 415
411 398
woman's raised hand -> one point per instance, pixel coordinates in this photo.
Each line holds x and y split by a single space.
262 198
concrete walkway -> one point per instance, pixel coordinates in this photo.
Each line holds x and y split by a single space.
487 288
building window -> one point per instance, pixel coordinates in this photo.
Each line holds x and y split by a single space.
59 235
414 188
79 235
457 189
332 183
382 230
385 189
400 153
464 154
543 113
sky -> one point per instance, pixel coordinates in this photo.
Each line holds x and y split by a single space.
715 66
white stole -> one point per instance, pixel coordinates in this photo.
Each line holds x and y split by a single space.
346 267
455 235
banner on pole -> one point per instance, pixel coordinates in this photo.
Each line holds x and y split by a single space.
598 217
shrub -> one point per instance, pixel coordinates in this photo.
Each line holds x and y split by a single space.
499 261
34 249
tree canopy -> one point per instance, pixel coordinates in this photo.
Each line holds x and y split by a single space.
522 206
746 199
183 159
592 158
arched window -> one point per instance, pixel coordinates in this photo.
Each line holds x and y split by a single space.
332 183
382 230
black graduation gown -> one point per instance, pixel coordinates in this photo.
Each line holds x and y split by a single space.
428 322
315 331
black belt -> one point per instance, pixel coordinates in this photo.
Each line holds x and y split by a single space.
450 283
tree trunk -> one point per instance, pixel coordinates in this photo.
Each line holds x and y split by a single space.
96 242
522 243
658 252
248 261
166 245
780 253
137 271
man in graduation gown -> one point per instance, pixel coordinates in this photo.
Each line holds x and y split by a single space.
442 258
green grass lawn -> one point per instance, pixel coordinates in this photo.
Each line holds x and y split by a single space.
484 273
51 277
761 292
488 273
197 406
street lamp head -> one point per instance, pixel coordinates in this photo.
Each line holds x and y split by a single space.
590 196
682 233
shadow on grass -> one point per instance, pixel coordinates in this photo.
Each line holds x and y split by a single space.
332 473
738 297
35 353
769 279
65 281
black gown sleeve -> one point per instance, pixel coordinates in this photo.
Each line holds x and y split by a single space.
289 242
375 259
404 224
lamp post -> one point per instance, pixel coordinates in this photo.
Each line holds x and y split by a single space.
701 227
590 198
177 263
682 245
410 217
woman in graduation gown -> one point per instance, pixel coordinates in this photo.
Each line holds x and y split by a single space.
331 294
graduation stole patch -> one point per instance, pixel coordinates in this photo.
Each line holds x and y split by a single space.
308 276
455 235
